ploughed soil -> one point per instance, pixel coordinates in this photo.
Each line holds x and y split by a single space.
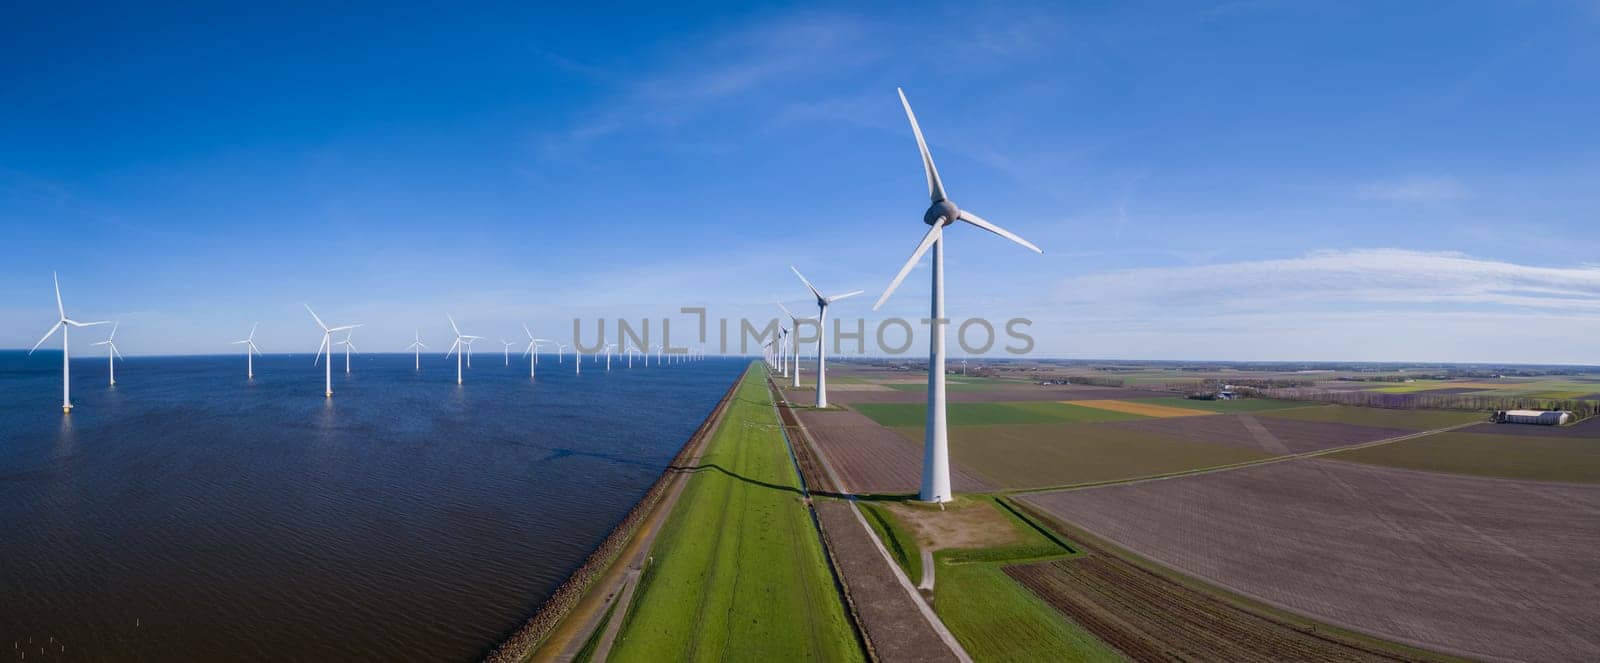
1007 394
871 459
1478 567
1272 435
1150 617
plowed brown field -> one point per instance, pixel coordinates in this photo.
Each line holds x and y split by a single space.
869 458
1485 568
1274 436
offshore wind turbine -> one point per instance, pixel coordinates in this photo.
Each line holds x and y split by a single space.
822 334
64 324
462 345
577 361
533 349
112 353
327 347
794 345
559 348
348 347
250 351
508 345
941 212
608 355
416 348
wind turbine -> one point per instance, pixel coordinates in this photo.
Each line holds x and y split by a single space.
941 213
250 352
470 341
577 361
822 334
533 349
63 323
608 355
348 347
112 353
559 348
462 345
327 347
416 348
508 345
794 345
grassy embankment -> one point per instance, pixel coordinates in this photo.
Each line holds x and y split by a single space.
993 617
738 572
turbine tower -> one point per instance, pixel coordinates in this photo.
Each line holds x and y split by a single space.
327 347
416 348
250 352
941 213
63 323
533 349
794 344
507 350
462 345
822 334
608 355
112 353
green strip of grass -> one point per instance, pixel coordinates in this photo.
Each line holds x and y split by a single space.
738 572
900 542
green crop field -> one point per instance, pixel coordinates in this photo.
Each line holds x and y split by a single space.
1241 405
1548 458
988 414
738 571
1382 418
1041 455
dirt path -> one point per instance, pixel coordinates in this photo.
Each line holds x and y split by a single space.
1268 441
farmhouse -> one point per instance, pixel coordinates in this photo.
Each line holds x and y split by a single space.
1538 417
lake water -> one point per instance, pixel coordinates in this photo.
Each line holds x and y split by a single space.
190 514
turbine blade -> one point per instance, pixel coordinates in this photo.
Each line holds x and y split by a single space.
916 256
810 287
46 337
75 323
253 330
424 345
852 293
314 317
59 308
525 331
453 326
101 343
238 342
935 187
118 352
785 309
324 344
979 221
114 327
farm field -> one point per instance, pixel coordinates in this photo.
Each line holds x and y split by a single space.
1378 417
871 459
1143 408
1043 455
1241 405
1474 567
983 414
1021 392
739 572
1264 434
1537 457
1588 428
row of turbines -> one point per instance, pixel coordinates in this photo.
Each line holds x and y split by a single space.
461 348
940 214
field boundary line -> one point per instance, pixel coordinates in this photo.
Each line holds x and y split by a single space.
937 624
1234 466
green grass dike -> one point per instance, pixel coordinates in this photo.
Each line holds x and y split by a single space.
738 573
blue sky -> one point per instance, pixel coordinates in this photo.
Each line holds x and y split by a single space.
1238 180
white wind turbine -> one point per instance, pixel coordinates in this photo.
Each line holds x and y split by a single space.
560 347
327 348
250 352
63 323
349 346
462 345
577 361
533 349
794 345
112 353
608 348
822 334
941 213
508 345
416 348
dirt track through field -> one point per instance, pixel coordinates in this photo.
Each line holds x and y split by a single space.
1268 441
1487 568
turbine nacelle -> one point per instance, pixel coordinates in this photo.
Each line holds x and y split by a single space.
941 212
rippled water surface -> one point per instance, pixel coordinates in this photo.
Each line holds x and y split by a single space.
190 514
